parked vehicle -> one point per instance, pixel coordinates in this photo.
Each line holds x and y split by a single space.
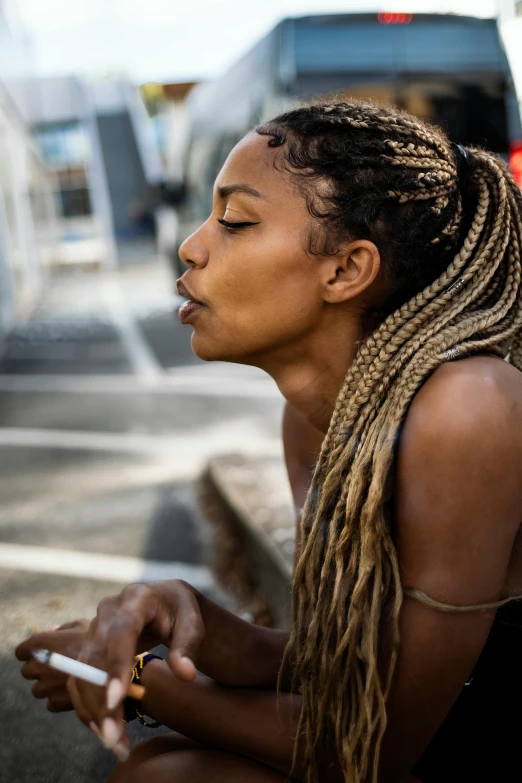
446 68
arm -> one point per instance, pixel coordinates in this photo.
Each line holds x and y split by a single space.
458 502
236 652
456 521
249 723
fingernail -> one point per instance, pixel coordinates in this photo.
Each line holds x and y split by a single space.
121 751
110 733
55 627
93 727
114 694
189 662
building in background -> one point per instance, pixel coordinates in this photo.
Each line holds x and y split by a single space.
130 157
96 140
27 213
167 107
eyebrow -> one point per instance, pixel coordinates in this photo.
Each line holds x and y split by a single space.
227 190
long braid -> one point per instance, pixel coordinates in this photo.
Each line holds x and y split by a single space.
466 298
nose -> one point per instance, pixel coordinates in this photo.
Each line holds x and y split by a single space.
193 252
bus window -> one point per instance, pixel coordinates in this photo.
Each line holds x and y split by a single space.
449 70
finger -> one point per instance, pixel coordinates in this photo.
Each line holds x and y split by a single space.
137 608
94 728
43 688
122 747
40 691
60 705
77 702
46 640
32 670
122 751
83 623
187 636
65 626
53 706
24 650
59 692
121 629
89 699
114 738
37 641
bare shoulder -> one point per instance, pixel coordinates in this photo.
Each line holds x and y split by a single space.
475 402
459 470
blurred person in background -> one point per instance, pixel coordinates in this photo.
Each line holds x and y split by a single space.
373 269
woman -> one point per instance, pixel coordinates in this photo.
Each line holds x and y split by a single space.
373 269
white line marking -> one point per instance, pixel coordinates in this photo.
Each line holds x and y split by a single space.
83 440
222 369
199 444
203 385
109 568
140 356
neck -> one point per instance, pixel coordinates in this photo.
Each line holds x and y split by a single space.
310 376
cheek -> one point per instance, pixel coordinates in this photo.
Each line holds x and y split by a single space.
267 296
262 293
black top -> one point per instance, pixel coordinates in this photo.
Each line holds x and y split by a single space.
481 738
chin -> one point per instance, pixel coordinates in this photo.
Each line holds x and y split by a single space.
210 350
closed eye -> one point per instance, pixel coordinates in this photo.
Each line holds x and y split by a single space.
243 224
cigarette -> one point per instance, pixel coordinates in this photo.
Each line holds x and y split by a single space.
82 671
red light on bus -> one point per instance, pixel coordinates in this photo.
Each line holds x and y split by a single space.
394 18
515 161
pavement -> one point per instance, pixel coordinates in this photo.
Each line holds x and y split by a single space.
107 421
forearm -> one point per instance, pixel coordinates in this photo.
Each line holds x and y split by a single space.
245 721
236 652
239 720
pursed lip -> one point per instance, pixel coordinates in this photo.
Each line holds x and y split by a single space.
184 291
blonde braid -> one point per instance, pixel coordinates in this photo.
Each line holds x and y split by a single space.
358 437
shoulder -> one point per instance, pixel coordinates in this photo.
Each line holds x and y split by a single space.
469 409
458 482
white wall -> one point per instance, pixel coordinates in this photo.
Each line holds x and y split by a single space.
22 179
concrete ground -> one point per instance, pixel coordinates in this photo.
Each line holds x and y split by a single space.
106 420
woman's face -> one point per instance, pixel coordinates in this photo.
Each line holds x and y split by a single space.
263 294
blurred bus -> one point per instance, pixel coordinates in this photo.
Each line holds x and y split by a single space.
449 69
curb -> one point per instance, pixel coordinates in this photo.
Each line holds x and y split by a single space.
256 492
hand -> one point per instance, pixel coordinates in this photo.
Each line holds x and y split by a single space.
50 684
140 617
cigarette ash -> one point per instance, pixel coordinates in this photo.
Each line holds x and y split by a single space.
42 656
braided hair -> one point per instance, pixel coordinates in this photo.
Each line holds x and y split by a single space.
449 230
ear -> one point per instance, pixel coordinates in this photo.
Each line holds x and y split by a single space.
351 271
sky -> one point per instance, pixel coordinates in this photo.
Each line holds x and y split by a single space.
174 40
